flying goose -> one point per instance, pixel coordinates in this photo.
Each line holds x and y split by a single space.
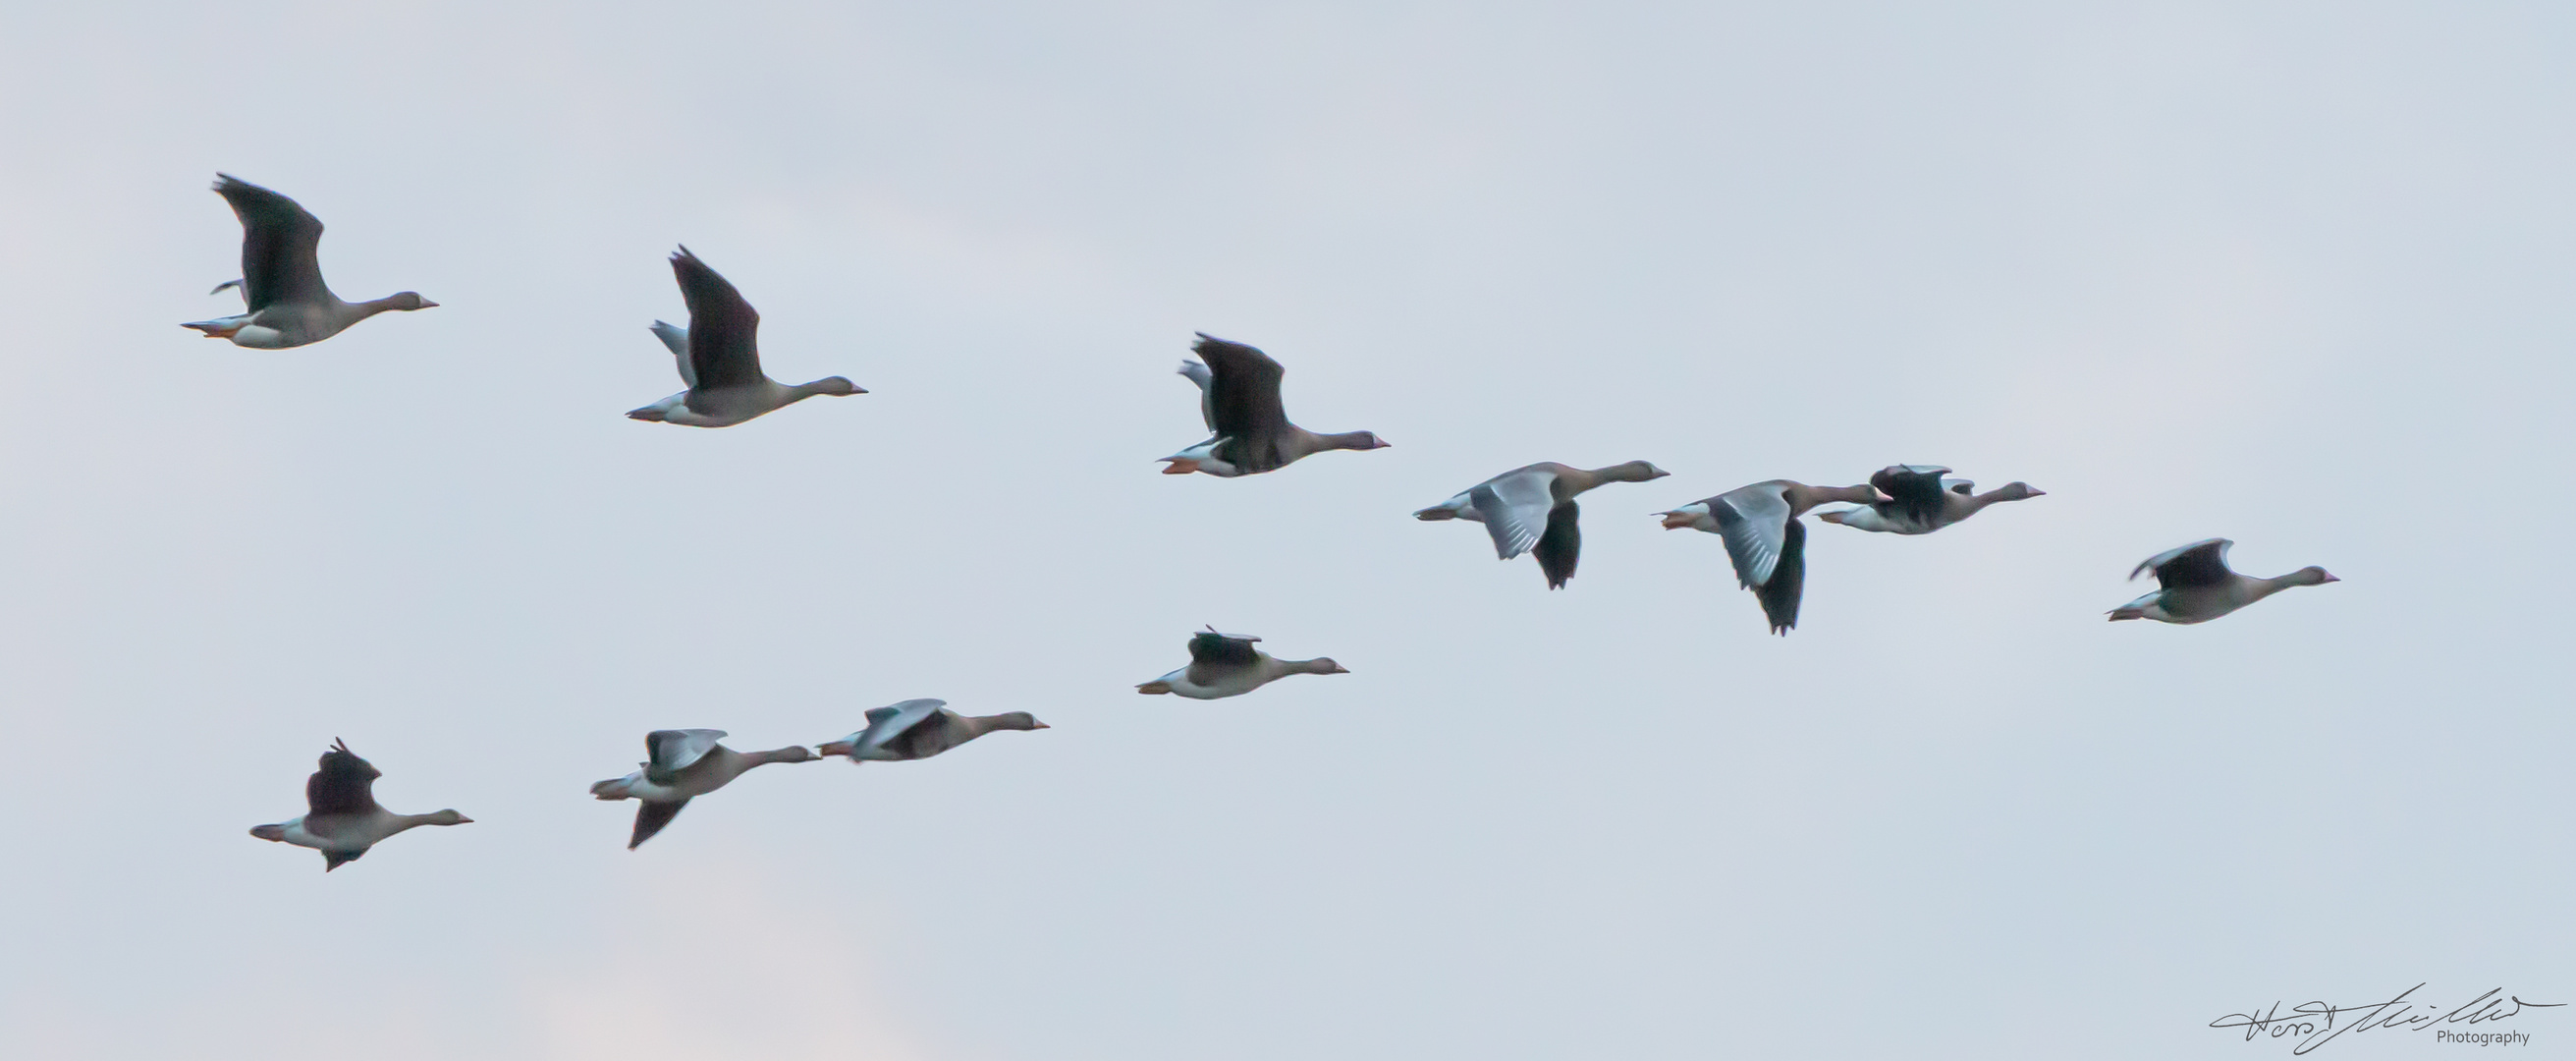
1532 510
1239 399
719 357
342 819
681 764
919 729
285 303
1765 538
1922 498
2198 587
1223 665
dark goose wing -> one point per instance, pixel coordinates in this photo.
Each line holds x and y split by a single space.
1779 596
2202 563
667 752
1913 491
1243 401
650 817
1561 546
345 784
890 724
926 737
1213 654
723 329
281 245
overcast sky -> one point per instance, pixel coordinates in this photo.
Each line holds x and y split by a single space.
2294 274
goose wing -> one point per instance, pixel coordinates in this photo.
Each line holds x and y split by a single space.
1913 492
1213 654
723 329
281 245
650 817
1516 507
1198 373
1243 400
2201 563
1754 522
677 338
669 751
886 724
345 784
1779 595
935 732
1562 544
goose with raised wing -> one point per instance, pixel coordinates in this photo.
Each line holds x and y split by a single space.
285 303
1922 498
1532 510
681 765
919 729
719 357
341 818
1251 434
2196 586
1764 537
1223 665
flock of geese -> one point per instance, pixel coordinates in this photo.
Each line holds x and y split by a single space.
1528 510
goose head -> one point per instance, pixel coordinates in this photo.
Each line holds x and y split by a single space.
1018 720
1633 472
833 385
2310 575
445 817
407 300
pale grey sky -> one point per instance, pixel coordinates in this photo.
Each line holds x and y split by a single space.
2294 274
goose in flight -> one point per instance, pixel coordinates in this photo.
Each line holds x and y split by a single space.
919 729
1532 510
1223 665
341 818
285 303
1764 537
1239 399
2196 585
680 765
719 357
1923 498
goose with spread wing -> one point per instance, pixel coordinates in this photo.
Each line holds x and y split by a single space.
342 819
1764 537
285 303
681 765
1922 498
919 729
2196 586
1532 510
719 357
1223 665
1239 399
